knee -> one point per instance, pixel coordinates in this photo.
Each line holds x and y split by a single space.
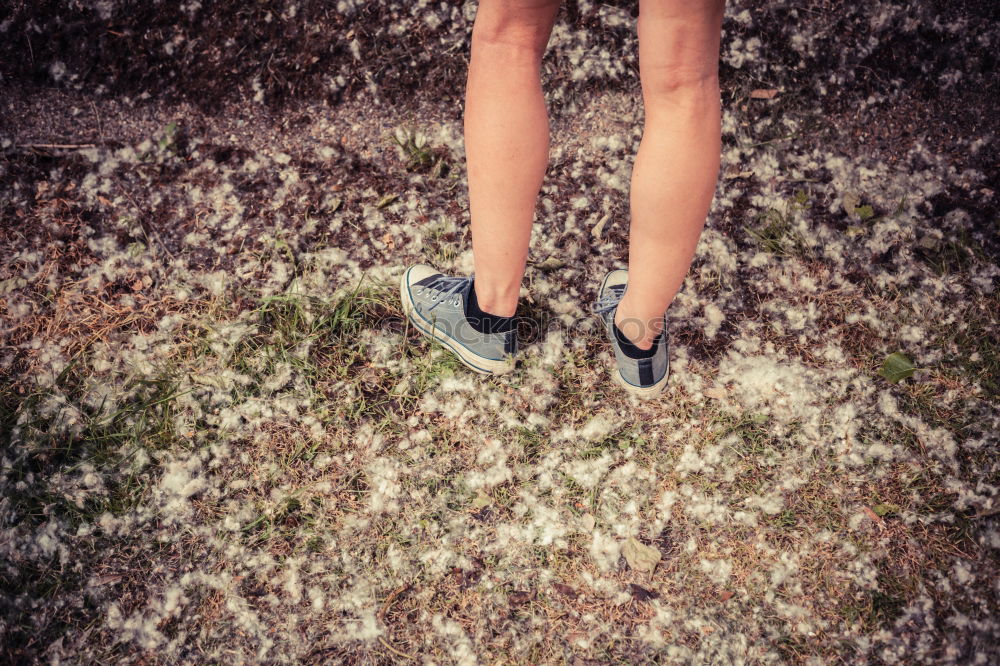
511 37
681 82
679 52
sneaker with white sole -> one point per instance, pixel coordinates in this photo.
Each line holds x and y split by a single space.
643 377
436 305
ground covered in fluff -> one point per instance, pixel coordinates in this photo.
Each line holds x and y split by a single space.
222 443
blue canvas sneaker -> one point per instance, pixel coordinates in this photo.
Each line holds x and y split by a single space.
436 305
643 377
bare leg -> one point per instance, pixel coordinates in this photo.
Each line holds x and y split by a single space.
506 141
677 165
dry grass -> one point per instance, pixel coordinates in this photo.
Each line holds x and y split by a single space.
223 443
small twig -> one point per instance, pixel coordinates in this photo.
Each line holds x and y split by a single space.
381 618
986 513
774 140
394 650
64 146
100 125
390 599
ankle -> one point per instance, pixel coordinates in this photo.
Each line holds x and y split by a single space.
640 330
499 301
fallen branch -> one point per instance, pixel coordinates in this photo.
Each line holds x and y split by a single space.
62 146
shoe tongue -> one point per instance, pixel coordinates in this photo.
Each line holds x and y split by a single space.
430 279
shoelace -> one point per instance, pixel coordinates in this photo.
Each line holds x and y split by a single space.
449 286
609 300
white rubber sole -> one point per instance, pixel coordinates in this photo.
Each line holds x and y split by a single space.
473 361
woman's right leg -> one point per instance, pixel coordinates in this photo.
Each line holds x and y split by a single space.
677 165
506 141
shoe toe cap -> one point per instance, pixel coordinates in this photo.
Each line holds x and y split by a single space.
615 278
418 272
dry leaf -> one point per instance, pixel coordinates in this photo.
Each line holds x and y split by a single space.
734 172
386 200
519 597
640 556
875 517
763 93
106 579
716 392
565 590
481 500
104 200
550 264
726 595
640 593
850 201
599 227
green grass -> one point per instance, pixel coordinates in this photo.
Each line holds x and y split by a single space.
879 607
977 344
331 330
775 228
617 441
107 439
419 155
955 254
531 442
443 247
